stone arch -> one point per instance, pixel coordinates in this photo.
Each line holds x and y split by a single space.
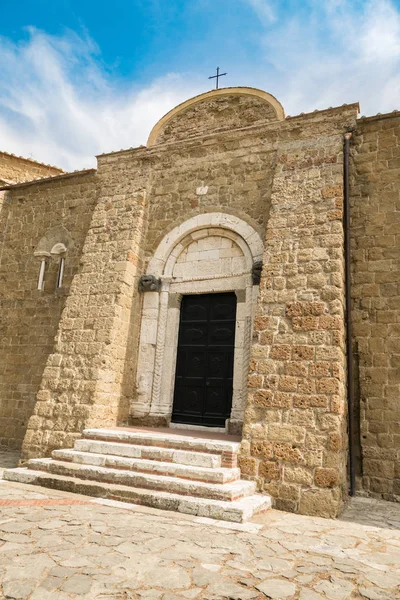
237 246
51 240
171 244
209 235
52 246
277 107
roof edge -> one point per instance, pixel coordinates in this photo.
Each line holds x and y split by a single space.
355 105
31 160
48 179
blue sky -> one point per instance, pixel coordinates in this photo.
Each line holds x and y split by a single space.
80 78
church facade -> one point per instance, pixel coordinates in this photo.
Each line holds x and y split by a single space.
202 280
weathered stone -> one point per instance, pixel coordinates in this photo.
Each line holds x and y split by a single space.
336 589
170 578
77 584
277 588
18 589
307 594
203 577
228 589
326 477
322 503
269 470
261 448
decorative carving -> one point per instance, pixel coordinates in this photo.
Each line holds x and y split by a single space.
160 347
149 283
256 272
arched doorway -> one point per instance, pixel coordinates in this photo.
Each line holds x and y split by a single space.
209 254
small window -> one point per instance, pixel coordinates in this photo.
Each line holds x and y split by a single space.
42 271
59 251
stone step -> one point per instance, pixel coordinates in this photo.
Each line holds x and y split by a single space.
227 449
227 491
140 465
182 457
237 511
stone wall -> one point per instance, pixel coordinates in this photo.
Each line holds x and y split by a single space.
91 364
217 114
295 423
29 317
213 174
375 232
15 169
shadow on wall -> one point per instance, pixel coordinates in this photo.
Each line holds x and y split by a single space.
38 260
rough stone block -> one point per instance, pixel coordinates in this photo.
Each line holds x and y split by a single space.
287 453
286 433
268 470
247 465
326 478
322 503
262 449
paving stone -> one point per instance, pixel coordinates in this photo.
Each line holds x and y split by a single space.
226 559
77 584
383 579
42 594
48 541
307 594
15 538
373 594
148 594
170 578
336 589
211 567
277 588
304 578
203 577
18 589
51 583
193 593
32 567
14 527
226 589
274 564
56 524
235 564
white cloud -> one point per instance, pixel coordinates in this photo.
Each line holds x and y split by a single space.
264 10
58 106
344 51
58 103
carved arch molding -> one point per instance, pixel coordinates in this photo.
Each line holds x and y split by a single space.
212 252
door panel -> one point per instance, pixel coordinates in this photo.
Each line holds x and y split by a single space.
204 371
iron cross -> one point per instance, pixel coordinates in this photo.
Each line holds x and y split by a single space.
217 76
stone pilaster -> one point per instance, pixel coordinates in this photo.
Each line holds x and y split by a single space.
84 376
295 424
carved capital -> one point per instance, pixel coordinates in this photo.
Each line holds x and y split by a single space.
149 283
256 272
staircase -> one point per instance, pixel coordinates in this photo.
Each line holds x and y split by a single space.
157 468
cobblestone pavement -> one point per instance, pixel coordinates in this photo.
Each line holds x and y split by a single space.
57 546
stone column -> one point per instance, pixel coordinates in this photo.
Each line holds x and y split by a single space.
295 424
82 381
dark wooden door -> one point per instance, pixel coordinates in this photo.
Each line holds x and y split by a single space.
204 368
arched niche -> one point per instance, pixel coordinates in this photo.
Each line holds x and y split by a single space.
53 245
